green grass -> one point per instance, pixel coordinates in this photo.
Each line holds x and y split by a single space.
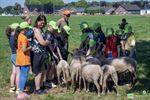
141 28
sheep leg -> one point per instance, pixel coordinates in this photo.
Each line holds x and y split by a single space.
88 87
72 81
84 83
67 76
104 84
64 76
134 78
115 80
98 87
58 76
79 83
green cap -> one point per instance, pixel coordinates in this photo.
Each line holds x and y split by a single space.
53 24
128 29
84 25
14 25
67 29
24 25
119 32
96 25
109 31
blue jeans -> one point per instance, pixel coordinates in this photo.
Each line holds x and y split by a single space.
23 76
13 59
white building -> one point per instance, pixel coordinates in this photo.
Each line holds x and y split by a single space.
145 11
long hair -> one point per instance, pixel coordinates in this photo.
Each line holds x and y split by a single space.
17 32
40 18
8 32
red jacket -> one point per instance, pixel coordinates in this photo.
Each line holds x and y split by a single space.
111 45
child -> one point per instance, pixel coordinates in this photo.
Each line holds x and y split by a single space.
64 35
23 58
99 37
111 49
29 34
119 33
87 38
54 51
14 79
128 42
123 24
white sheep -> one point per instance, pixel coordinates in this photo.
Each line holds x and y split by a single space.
122 65
109 73
63 67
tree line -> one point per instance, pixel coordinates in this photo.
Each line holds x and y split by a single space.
16 9
48 5
84 3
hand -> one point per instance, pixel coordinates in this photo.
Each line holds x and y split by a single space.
48 37
61 58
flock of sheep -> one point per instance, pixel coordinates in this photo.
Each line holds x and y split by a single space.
92 70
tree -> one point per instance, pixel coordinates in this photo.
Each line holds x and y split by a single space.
1 10
8 9
103 3
94 3
115 4
33 2
44 2
81 3
16 9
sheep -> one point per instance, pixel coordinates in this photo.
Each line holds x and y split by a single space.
75 68
109 73
93 60
122 65
91 73
63 67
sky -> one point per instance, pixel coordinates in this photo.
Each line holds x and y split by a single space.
4 3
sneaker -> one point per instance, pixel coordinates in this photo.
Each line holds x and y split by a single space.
53 85
22 95
17 91
39 92
12 89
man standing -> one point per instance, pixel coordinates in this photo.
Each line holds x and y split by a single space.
65 20
63 25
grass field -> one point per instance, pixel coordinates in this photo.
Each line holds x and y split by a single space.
141 27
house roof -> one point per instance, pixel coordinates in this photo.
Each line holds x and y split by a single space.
130 7
80 9
106 8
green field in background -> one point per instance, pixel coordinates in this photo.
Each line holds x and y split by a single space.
141 28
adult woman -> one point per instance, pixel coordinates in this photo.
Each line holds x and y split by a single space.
39 53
